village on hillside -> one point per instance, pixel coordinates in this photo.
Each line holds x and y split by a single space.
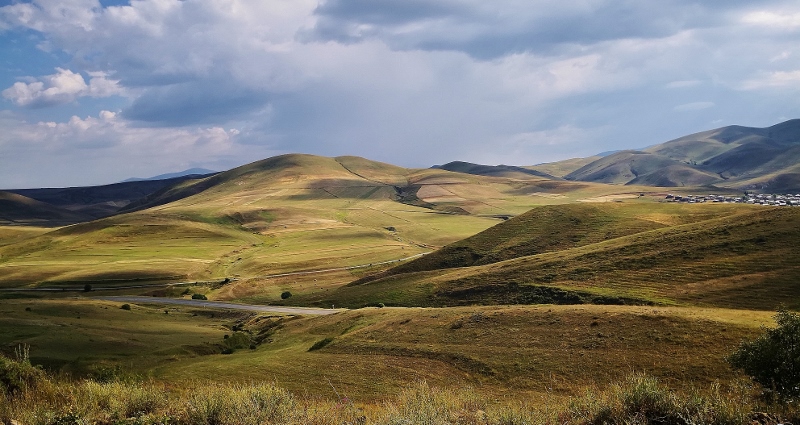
748 198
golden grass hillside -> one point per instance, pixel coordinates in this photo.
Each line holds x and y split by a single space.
739 257
512 352
283 214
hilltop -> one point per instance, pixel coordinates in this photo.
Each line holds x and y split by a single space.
282 214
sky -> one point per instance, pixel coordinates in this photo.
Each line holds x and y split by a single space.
97 91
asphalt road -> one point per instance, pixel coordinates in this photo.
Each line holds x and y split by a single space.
218 304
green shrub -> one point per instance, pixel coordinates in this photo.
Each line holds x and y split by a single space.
285 295
87 288
773 359
18 375
321 343
125 307
199 297
237 340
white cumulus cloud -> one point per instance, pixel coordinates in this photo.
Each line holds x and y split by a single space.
62 87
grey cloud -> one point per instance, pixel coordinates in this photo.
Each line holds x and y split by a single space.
202 101
488 30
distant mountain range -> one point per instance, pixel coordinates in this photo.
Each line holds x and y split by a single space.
189 172
748 158
733 157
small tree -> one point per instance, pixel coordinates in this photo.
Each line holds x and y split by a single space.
285 295
773 359
87 288
199 297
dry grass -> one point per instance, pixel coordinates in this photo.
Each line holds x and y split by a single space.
637 399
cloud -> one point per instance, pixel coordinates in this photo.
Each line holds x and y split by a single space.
774 20
112 147
62 87
694 106
410 82
777 79
489 30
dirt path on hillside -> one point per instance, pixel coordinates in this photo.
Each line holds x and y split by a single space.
218 304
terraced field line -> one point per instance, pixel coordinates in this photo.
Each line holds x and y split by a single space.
339 269
162 285
218 304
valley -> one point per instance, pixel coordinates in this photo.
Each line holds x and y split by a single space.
517 282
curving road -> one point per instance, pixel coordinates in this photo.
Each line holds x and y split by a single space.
218 304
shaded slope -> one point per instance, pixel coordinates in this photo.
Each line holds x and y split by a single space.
637 167
100 201
741 260
18 209
508 171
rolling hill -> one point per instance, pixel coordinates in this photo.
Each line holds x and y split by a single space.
715 255
761 159
280 215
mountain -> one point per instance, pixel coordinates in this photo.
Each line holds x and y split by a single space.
278 215
194 172
747 158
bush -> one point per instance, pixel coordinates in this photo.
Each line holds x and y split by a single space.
18 375
285 295
773 359
125 307
199 297
321 343
87 288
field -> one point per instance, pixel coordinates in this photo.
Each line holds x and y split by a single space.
733 257
284 214
374 353
529 288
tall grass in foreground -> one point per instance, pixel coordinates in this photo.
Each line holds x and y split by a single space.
38 399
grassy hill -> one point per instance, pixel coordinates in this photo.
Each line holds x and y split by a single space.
764 159
555 228
279 215
636 167
738 257
513 352
564 167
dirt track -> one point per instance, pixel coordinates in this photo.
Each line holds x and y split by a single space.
223 305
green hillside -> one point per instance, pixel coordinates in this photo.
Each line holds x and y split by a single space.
555 228
741 257
283 214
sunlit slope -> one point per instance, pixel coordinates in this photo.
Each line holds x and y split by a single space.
555 228
744 259
282 214
501 349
